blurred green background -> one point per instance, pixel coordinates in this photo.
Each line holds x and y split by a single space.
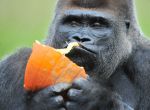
24 21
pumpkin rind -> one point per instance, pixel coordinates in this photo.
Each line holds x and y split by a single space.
47 66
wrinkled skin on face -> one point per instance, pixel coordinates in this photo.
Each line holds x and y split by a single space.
103 39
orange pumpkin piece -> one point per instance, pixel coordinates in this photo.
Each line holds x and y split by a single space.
48 66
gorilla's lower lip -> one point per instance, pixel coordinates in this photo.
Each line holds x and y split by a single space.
83 57
87 49
83 51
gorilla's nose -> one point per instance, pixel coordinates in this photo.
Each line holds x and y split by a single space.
79 38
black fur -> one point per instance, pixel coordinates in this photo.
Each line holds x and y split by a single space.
113 52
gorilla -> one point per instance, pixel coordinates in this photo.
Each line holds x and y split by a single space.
113 51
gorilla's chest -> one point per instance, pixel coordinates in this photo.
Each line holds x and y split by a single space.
125 88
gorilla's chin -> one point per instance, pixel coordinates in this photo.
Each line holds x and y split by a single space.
83 57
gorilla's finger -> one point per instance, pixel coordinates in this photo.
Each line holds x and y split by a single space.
62 109
60 87
80 83
57 101
127 107
74 94
72 106
44 94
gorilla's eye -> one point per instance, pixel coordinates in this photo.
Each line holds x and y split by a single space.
96 24
74 23
99 23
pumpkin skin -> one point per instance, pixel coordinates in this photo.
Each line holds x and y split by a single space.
48 66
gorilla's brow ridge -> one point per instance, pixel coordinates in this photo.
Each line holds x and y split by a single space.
88 13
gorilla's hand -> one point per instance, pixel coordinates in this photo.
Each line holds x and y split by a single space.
49 98
88 95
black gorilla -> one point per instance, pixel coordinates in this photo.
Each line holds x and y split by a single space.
113 51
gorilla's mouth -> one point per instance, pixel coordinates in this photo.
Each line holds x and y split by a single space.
83 56
83 48
87 49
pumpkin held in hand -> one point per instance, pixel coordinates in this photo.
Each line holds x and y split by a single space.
48 66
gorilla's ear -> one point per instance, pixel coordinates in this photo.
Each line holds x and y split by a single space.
127 23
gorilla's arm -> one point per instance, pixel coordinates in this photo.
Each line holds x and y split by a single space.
88 94
139 70
14 97
11 80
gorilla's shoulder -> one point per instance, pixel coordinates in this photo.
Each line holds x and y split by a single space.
141 59
19 55
142 52
15 62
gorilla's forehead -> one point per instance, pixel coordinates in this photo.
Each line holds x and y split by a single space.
86 7
90 3
121 8
85 3
96 3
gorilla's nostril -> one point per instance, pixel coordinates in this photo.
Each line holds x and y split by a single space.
81 39
77 38
85 40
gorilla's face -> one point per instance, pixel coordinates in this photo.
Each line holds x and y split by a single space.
103 39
